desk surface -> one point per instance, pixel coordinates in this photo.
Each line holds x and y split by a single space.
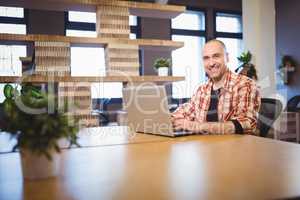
93 137
193 167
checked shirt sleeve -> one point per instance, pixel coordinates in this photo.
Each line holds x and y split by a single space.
187 110
247 108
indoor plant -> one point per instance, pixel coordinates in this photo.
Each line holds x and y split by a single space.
246 68
245 58
286 68
26 117
162 66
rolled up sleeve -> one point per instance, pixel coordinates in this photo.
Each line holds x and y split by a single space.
246 112
187 110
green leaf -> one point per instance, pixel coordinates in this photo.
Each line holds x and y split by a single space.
162 62
245 57
8 91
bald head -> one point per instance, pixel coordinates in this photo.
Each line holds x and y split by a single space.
217 42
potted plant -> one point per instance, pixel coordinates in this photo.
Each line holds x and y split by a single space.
286 68
162 66
246 68
245 58
26 117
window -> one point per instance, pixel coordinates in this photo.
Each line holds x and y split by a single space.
229 30
191 20
11 12
90 61
12 28
10 64
187 61
230 23
133 22
12 20
81 24
84 61
76 16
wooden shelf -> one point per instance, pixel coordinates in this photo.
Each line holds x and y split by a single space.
121 53
135 8
143 43
45 79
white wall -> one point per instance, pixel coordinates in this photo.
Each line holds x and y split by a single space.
259 38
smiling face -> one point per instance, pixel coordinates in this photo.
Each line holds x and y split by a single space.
215 60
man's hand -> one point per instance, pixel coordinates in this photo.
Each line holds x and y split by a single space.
204 128
181 123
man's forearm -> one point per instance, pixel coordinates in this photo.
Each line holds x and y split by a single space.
216 127
205 127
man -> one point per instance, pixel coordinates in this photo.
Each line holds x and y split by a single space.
228 103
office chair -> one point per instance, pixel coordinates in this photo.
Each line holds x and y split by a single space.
269 111
177 102
100 107
292 104
287 126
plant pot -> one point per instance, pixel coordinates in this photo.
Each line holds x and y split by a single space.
163 71
38 166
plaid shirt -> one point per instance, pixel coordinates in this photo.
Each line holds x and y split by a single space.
239 100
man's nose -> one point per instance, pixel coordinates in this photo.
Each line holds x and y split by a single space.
211 62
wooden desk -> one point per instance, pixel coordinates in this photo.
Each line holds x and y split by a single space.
93 137
194 167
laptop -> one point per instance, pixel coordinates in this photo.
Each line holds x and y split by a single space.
148 111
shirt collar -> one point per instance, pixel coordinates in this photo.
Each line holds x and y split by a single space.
228 84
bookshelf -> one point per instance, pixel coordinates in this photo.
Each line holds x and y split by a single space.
52 52
135 8
148 44
53 79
